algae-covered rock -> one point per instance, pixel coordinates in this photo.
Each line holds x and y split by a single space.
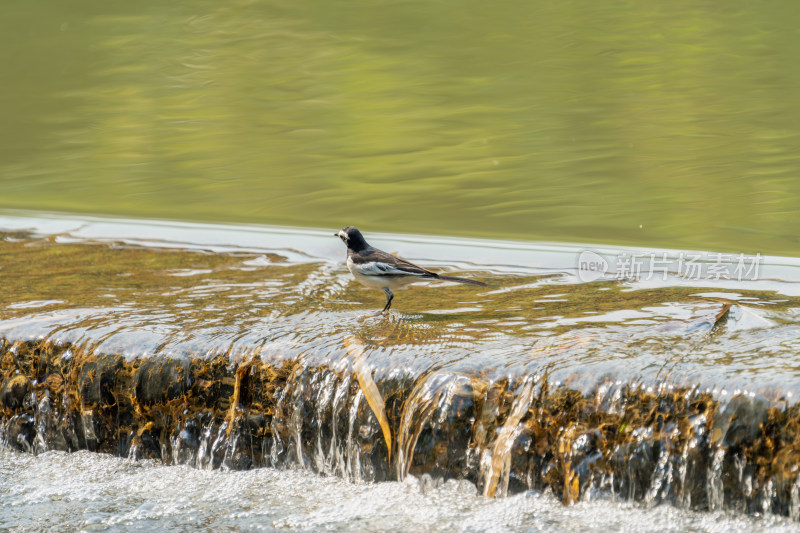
97 378
741 421
160 379
21 432
506 435
12 395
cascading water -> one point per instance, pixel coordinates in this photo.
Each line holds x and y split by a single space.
668 445
530 392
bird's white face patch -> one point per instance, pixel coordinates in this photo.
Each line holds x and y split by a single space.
343 236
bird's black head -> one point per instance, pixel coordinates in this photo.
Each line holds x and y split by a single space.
352 238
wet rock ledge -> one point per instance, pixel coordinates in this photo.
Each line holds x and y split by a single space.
672 444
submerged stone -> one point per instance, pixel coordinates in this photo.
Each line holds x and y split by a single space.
161 378
97 378
14 390
21 432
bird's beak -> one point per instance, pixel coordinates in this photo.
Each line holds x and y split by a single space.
335 234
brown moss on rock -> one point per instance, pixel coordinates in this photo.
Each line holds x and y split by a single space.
127 407
508 435
12 395
161 379
97 379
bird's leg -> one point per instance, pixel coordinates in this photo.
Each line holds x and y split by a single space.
389 297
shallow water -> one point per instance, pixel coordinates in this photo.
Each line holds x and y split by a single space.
288 294
144 289
95 492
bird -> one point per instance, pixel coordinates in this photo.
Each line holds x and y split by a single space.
380 270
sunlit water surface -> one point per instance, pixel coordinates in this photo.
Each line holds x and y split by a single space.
142 288
139 288
583 121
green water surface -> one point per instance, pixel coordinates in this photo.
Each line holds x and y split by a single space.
657 124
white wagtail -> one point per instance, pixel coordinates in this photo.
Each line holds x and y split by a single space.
377 269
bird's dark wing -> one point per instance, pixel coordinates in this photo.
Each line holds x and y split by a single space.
378 263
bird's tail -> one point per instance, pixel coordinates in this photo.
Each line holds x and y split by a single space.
463 280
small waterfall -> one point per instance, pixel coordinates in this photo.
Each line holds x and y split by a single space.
496 459
714 484
505 435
